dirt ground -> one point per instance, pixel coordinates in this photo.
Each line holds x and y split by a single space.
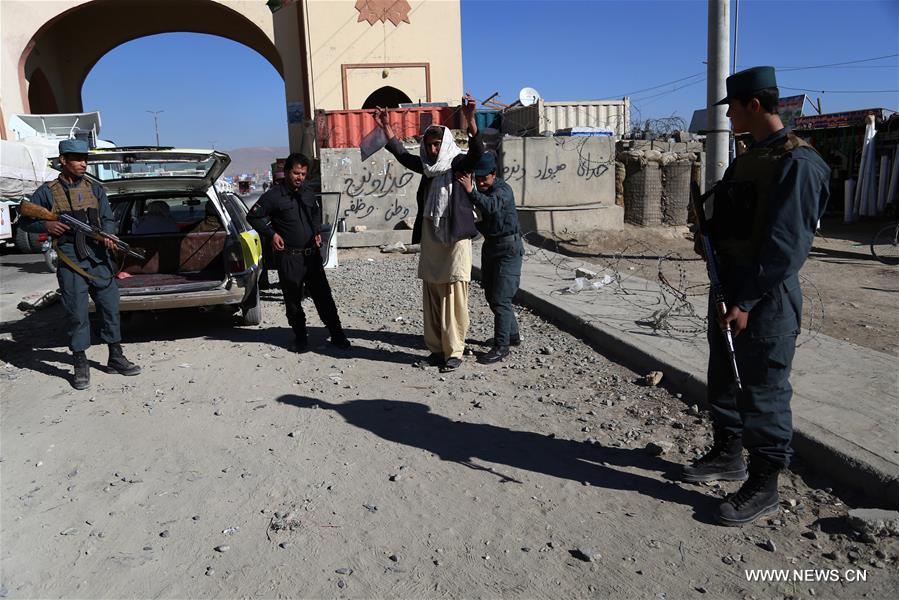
234 468
848 294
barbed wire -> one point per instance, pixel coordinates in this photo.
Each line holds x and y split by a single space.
670 306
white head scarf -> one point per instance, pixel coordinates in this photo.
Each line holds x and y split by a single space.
441 175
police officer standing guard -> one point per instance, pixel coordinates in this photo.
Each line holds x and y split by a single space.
295 234
501 253
761 218
89 273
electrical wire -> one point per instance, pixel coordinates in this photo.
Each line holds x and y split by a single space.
783 87
839 64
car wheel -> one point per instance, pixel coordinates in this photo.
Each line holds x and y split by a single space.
27 243
252 308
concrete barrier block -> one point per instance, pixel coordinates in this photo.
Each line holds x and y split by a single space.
378 194
572 221
559 171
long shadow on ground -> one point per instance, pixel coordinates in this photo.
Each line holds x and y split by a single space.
413 424
39 340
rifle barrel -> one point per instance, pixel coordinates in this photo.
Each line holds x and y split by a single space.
717 289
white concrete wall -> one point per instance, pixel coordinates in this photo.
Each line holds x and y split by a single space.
559 171
378 193
559 184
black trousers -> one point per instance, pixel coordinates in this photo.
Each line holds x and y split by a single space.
299 273
760 414
500 276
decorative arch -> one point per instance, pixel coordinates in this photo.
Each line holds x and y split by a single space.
41 99
385 97
66 48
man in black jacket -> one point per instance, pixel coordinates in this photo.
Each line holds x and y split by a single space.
295 236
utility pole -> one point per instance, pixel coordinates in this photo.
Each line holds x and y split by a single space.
718 136
736 33
155 114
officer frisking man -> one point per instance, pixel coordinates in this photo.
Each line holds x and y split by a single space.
761 218
501 254
86 265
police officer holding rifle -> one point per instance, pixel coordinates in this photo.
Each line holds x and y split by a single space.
86 265
760 220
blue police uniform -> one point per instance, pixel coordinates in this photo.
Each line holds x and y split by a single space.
98 263
501 254
761 247
761 219
87 201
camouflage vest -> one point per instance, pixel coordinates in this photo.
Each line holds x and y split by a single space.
81 196
741 201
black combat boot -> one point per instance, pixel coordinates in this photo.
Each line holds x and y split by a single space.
82 378
494 355
724 462
757 497
339 339
118 363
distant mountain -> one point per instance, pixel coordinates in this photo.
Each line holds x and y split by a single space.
256 159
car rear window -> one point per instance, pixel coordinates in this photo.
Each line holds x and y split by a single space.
117 166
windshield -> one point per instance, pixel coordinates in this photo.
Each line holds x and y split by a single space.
138 165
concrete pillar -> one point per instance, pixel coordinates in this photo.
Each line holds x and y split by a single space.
290 39
718 137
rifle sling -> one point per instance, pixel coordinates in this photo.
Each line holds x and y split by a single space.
74 266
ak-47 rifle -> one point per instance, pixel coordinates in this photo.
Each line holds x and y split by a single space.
696 201
35 211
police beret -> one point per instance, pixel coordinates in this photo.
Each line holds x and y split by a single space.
73 147
486 164
745 83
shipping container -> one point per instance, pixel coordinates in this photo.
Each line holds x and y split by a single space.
552 116
346 128
489 119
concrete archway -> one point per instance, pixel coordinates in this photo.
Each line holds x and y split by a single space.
62 52
325 50
41 99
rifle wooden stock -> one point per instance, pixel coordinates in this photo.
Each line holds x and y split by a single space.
36 211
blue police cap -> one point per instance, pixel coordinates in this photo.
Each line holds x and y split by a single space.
73 147
745 83
486 164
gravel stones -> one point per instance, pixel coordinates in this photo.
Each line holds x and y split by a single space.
659 448
874 521
586 554
653 378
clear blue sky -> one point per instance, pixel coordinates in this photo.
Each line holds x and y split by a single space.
213 89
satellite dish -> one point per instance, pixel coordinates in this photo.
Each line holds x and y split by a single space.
528 96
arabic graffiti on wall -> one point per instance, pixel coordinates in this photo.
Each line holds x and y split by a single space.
378 193
559 171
